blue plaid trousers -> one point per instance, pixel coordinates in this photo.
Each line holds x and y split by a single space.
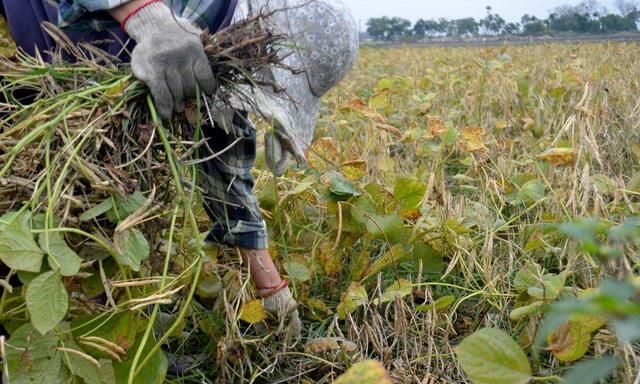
228 183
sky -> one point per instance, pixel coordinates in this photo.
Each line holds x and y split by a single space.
511 10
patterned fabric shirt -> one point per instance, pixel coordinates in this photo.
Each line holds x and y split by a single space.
91 14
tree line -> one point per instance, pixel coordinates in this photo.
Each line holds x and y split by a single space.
588 17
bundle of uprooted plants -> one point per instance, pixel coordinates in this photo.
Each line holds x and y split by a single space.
98 202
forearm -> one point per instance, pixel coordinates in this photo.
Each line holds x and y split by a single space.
121 12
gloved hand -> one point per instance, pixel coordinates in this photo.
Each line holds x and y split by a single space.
169 57
285 309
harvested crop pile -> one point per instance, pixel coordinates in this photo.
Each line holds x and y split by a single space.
7 47
95 194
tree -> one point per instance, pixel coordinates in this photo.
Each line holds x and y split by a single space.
630 10
463 27
430 27
511 29
443 25
378 27
389 29
420 29
615 23
589 16
626 7
400 29
492 23
591 7
532 26
583 18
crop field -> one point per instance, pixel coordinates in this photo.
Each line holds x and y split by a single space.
481 186
467 216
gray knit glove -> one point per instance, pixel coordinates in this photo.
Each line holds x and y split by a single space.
169 57
284 308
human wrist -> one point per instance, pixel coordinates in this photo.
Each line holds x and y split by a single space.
120 12
145 19
266 292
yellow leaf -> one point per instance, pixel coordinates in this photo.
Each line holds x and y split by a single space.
318 308
392 257
472 139
501 124
354 170
252 312
570 342
385 164
558 156
355 297
116 90
400 288
329 258
436 126
380 100
365 372
322 154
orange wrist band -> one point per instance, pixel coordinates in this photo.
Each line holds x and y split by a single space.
136 10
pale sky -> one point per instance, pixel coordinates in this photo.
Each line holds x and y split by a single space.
511 10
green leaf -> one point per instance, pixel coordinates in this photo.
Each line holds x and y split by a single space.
526 311
98 210
444 302
27 277
409 193
558 92
392 257
432 260
490 356
400 288
47 301
539 286
363 208
342 187
18 249
209 286
125 206
550 287
627 330
355 297
439 305
450 136
153 373
38 360
132 248
388 228
61 257
120 328
532 192
603 184
591 371
529 276
586 231
297 271
523 88
107 373
628 230
79 366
